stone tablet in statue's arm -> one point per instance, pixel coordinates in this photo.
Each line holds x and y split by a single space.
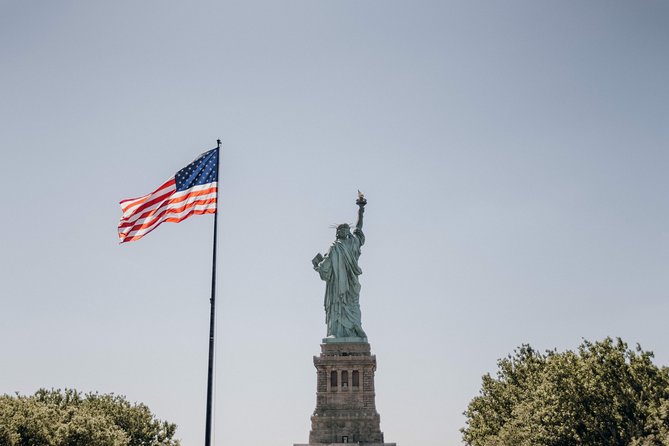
317 260
323 265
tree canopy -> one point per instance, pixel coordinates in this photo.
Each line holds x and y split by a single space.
602 394
70 418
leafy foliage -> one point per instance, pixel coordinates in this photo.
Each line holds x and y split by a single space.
68 418
602 394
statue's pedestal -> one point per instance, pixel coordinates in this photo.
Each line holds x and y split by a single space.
345 444
345 397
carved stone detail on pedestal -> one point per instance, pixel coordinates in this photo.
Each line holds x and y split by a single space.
345 397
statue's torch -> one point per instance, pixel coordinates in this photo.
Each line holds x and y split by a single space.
361 201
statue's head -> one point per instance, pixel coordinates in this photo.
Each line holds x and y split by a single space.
343 231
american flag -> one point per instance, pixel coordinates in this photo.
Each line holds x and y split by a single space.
192 191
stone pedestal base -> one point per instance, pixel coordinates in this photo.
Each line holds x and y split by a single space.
345 398
346 444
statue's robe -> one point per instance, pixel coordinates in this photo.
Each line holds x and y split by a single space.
339 269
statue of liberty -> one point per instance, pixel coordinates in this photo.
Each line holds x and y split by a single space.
339 269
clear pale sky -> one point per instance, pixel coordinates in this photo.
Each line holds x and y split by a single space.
514 155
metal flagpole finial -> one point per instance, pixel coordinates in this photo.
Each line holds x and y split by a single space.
218 141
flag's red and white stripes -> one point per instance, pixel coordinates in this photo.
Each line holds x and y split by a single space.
144 214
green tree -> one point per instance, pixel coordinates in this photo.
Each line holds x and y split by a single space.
603 394
68 418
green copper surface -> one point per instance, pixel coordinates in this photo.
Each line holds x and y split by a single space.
340 270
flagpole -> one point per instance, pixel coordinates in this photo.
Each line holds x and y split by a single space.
212 318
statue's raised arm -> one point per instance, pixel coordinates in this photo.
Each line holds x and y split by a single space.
361 202
340 270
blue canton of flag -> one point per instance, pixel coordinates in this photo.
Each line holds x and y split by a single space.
203 170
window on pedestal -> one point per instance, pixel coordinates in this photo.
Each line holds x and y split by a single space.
333 380
356 378
344 378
